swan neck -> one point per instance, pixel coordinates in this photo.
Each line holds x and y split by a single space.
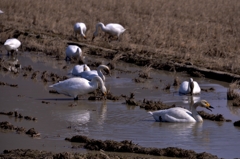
81 31
101 25
97 80
195 114
99 71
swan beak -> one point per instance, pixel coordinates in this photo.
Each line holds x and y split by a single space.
85 37
210 107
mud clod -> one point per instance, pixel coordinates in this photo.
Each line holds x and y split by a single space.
154 105
8 113
129 146
27 117
218 117
131 101
53 91
20 130
32 132
176 81
18 115
7 84
237 123
211 89
28 68
44 102
6 125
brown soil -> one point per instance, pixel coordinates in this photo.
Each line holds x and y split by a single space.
18 115
198 40
128 146
27 153
6 125
237 123
193 37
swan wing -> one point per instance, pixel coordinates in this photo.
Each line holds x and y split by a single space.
12 44
196 88
88 74
173 115
77 69
115 29
73 87
71 50
184 87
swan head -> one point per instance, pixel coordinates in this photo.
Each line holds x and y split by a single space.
205 104
106 69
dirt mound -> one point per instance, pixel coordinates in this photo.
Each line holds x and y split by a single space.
237 123
218 117
129 146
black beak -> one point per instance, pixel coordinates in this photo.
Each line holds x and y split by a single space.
210 108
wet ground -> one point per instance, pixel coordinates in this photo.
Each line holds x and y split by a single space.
59 117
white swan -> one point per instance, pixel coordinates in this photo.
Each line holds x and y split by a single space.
78 86
12 45
73 51
112 29
180 114
80 28
79 68
189 87
90 74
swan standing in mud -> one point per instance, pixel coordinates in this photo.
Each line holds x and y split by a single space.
189 87
113 29
79 68
180 114
73 51
80 28
79 86
89 75
12 45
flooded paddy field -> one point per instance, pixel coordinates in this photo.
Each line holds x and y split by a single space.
59 117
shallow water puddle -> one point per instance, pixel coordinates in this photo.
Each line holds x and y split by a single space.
59 116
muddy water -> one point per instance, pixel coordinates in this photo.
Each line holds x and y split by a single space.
62 117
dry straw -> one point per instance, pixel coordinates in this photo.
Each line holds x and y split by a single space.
205 33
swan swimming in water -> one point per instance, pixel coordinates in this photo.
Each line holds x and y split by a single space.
80 28
78 86
189 87
73 51
178 114
12 45
90 74
79 68
112 29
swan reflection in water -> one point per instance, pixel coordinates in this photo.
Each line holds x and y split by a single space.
11 64
80 118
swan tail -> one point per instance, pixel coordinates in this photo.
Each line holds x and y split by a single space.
150 112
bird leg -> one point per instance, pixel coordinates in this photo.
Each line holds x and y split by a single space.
76 98
67 58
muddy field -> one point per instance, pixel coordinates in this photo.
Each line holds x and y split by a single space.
202 45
